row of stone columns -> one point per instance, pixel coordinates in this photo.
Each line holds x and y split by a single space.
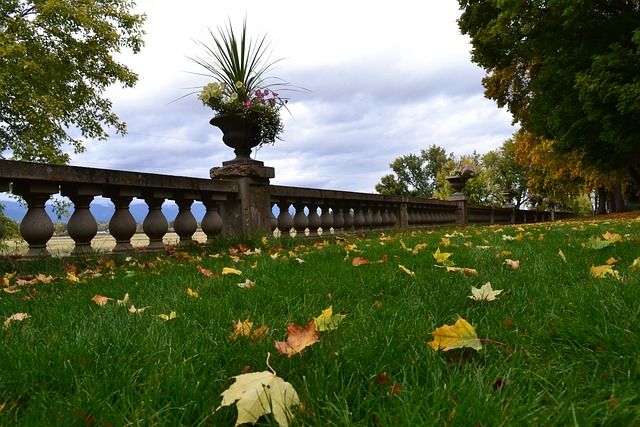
336 217
37 227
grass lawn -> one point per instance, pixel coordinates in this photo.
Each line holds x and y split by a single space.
571 353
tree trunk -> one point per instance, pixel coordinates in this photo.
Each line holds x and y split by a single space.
602 201
617 204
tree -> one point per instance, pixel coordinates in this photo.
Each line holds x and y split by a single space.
478 188
56 60
569 71
504 173
414 175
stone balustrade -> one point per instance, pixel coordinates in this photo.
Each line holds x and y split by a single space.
238 198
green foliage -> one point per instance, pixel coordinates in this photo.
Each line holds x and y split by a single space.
503 173
568 71
415 175
56 61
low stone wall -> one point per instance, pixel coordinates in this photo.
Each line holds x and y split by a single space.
239 200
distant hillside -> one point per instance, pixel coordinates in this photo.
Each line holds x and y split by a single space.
102 212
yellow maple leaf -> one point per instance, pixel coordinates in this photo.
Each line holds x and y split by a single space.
229 270
241 329
192 293
298 339
327 320
636 264
503 253
445 241
448 337
442 257
169 316
601 271
612 237
259 393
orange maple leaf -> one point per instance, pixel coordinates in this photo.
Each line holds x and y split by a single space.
101 300
298 339
204 271
358 261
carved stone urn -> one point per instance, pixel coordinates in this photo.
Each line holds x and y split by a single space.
457 183
238 133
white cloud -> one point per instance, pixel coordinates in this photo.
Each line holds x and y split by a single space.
384 81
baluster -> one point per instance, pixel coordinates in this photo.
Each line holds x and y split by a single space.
384 218
155 225
314 221
82 226
122 225
212 223
36 227
185 224
285 220
326 221
273 219
376 218
300 220
337 217
368 218
393 219
358 219
348 216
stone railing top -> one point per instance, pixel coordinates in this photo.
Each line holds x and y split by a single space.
19 171
308 195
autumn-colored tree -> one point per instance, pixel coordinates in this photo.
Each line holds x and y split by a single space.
569 71
57 59
560 177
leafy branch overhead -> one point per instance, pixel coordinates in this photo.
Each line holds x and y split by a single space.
55 71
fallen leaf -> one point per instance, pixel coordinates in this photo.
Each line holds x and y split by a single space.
603 270
515 264
503 253
611 261
259 393
484 293
204 271
241 329
18 317
247 284
597 243
507 238
134 310
229 270
464 270
442 257
123 301
635 265
612 237
101 300
192 293
298 339
170 316
406 270
327 320
462 334
358 261
300 260
561 255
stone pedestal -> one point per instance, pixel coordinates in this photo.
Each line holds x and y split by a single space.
250 212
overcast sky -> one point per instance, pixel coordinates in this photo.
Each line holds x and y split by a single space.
383 81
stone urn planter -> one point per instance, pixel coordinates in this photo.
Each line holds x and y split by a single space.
238 133
457 182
